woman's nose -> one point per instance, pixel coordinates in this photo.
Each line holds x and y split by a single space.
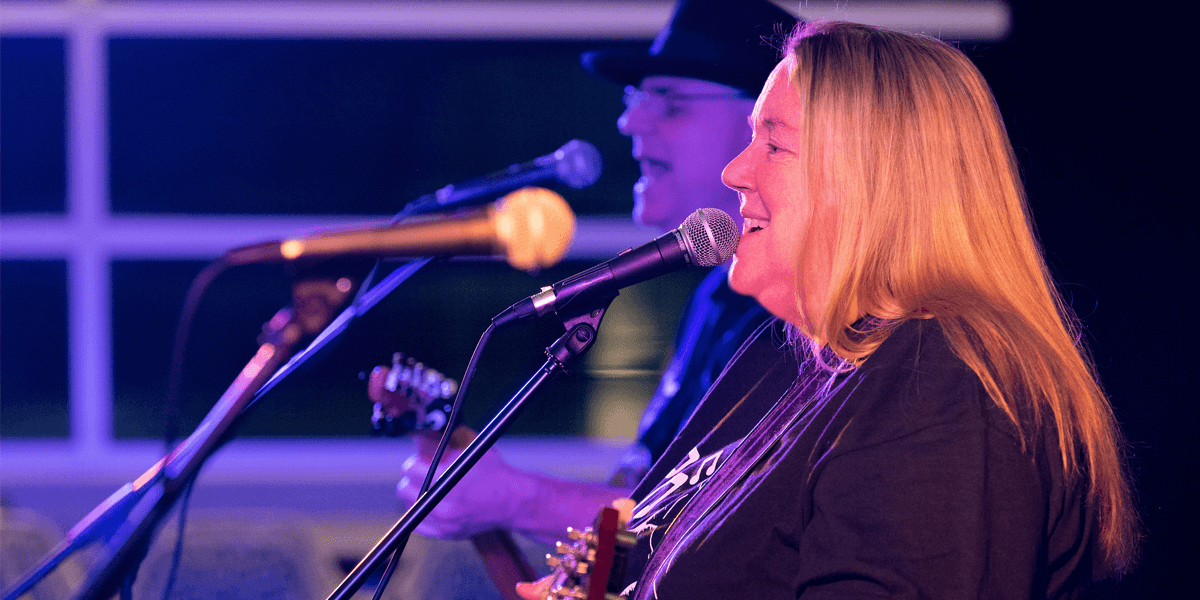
738 174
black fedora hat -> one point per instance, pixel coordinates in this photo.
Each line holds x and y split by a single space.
723 41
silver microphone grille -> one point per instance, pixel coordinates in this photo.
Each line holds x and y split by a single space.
710 235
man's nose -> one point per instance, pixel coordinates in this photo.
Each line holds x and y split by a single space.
635 120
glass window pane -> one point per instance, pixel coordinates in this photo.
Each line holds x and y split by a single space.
33 349
33 155
347 126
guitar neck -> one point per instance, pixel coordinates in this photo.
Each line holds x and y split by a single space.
504 561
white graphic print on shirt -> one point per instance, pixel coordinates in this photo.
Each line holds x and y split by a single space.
657 510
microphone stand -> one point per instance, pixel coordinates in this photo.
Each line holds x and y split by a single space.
581 334
313 306
127 519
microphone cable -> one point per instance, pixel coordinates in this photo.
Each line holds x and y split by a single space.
451 424
183 328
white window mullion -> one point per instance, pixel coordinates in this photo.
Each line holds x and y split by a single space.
88 283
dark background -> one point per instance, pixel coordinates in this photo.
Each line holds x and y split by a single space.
1092 104
1093 101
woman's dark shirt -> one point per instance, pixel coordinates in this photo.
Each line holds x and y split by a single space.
901 478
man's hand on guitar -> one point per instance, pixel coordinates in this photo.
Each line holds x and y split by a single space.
409 397
495 494
490 496
535 590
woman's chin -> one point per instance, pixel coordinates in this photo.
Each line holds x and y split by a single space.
741 282
735 281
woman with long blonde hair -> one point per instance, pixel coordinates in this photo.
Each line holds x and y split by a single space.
923 421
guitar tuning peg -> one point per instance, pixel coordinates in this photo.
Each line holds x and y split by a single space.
377 419
431 382
562 593
393 379
435 420
552 561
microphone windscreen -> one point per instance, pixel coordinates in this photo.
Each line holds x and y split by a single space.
578 164
535 226
710 235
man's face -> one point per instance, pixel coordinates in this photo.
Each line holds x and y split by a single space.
684 132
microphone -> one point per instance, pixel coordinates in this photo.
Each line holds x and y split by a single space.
707 238
532 227
577 164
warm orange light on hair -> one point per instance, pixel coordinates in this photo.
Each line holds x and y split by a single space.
904 144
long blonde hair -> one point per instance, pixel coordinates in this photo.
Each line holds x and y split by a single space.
907 154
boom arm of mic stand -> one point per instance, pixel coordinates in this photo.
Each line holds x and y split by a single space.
365 302
580 335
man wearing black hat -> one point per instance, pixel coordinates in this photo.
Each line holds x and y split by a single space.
687 100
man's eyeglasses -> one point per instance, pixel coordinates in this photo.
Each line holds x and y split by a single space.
664 105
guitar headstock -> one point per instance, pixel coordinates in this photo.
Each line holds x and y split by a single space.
409 396
592 565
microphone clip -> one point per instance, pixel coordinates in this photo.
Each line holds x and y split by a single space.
581 334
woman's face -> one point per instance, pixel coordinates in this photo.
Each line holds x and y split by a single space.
767 176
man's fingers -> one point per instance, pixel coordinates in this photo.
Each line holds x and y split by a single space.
534 590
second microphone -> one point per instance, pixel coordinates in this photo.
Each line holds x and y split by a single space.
532 227
707 238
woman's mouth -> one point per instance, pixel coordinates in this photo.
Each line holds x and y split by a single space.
753 225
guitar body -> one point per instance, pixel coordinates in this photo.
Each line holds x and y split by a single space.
410 398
